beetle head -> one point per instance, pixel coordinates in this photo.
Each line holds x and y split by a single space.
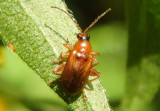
83 36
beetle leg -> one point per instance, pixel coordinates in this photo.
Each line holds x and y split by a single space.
58 69
52 82
85 97
94 53
94 73
61 57
95 62
68 46
67 41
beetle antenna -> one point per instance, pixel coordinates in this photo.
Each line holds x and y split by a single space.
69 17
96 20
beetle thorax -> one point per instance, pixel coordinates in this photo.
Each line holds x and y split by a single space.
83 46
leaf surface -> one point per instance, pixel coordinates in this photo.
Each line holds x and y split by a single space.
38 33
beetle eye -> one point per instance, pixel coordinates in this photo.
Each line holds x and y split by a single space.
88 36
78 35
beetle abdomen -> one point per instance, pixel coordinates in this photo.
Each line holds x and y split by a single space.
76 72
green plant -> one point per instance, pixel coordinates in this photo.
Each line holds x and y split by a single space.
37 33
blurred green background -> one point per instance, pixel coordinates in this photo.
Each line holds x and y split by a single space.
23 90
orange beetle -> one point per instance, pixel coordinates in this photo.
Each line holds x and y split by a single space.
80 62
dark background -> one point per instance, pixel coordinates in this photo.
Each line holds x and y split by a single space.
85 11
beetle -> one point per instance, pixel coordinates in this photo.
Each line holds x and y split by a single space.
80 62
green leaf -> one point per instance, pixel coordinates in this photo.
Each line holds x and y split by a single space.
143 77
38 33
